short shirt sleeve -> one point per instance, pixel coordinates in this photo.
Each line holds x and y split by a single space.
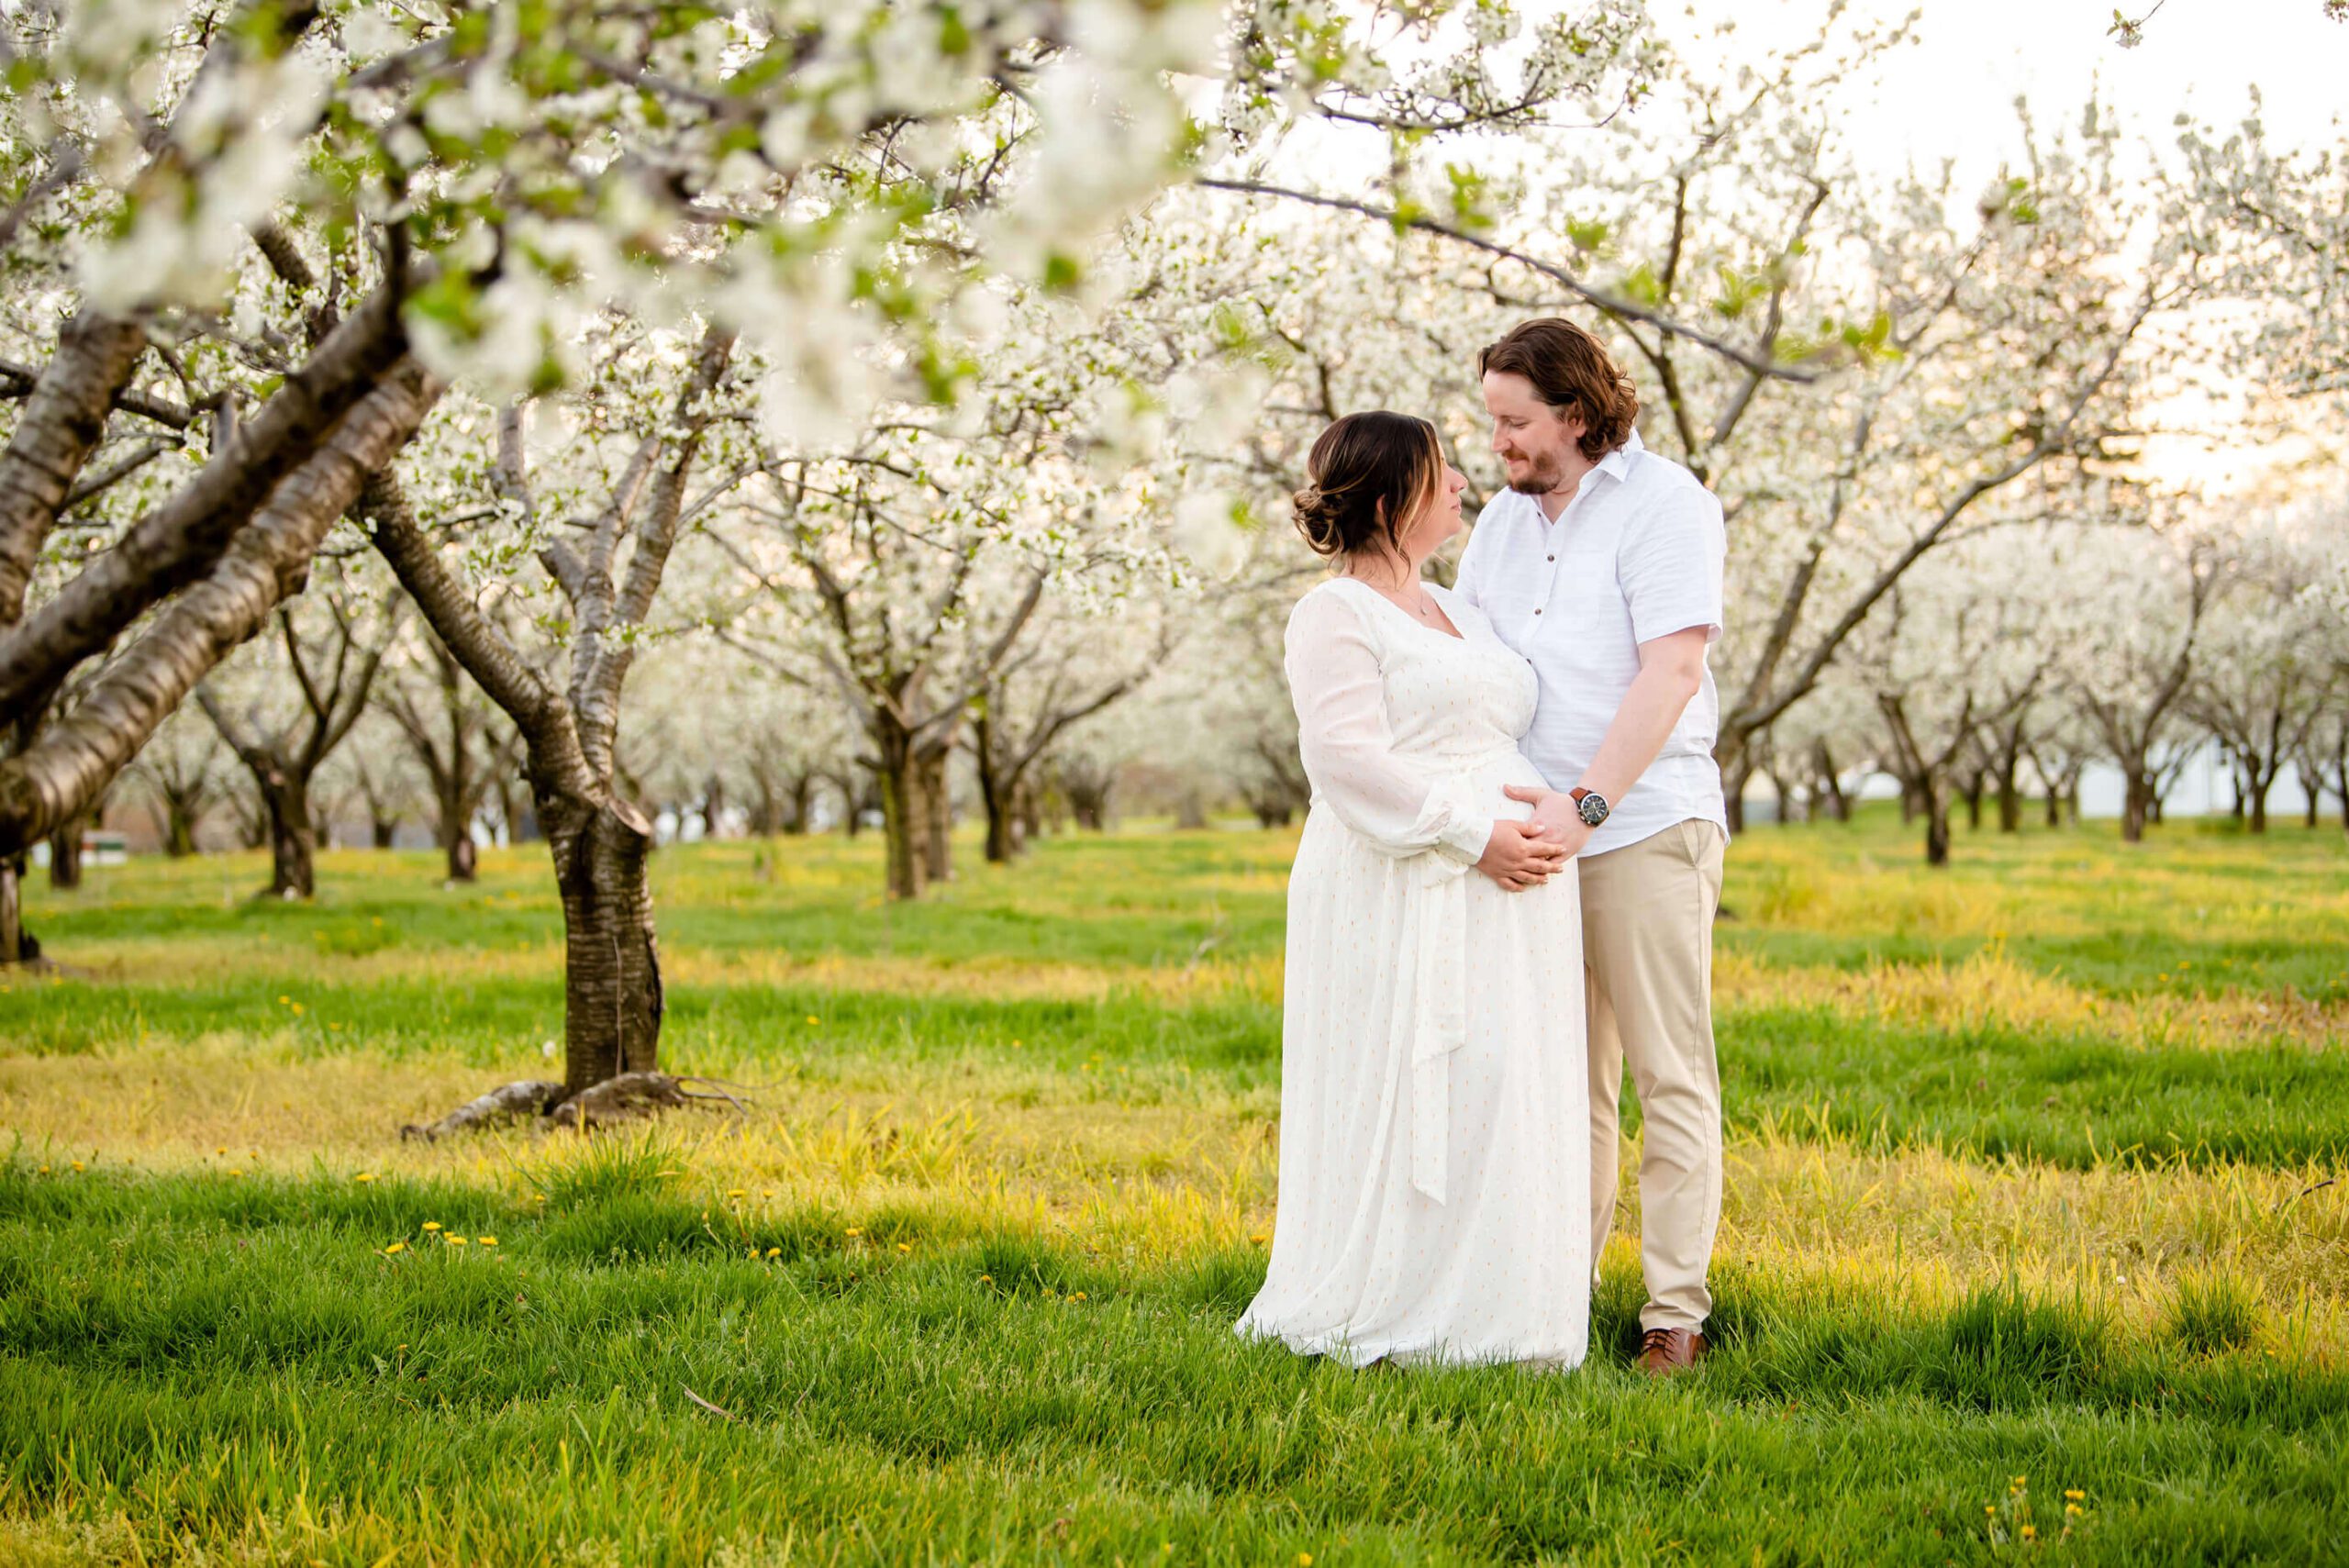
1670 565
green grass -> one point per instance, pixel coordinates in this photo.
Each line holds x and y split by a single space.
2036 1185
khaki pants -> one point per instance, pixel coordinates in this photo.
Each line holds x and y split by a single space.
1647 921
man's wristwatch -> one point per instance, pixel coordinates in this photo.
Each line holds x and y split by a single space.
1589 804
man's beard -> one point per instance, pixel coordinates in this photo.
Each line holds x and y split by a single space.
1540 480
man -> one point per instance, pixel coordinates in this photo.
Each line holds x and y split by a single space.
1601 563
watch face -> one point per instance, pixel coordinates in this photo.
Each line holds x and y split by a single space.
1593 808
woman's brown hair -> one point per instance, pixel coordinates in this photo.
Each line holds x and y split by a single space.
1573 373
1367 477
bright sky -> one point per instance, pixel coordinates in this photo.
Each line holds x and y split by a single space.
1951 93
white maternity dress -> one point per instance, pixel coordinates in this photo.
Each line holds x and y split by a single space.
1435 1139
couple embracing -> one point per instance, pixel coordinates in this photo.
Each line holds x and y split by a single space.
1506 888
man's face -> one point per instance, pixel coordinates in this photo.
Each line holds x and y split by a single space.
1529 435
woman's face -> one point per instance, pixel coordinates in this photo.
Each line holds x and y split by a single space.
1439 519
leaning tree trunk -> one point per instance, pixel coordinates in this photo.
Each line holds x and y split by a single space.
1829 786
65 854
995 791
2258 797
612 995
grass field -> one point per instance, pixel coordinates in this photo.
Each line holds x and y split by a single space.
2035 1244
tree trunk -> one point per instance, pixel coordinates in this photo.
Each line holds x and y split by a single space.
937 817
1027 812
1734 778
902 816
612 993
802 805
1191 811
179 829
1830 787
1973 787
18 945
995 791
2309 810
2009 795
1934 807
2259 806
2136 796
293 841
381 831
465 859
65 854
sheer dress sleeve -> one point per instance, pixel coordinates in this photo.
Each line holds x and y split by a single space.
1400 804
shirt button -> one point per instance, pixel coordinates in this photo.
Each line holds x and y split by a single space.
1537 609
1549 557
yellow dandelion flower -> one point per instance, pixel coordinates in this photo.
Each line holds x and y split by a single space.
2071 1508
284 1001
1259 1237
814 1019
299 1010
986 1279
454 1241
44 1171
1078 1296
2074 1493
1990 1509
237 1173
220 1151
334 1029
488 1240
736 1191
853 1231
2030 1532
364 1176
395 1247
78 1165
905 1246
432 1225
766 1192
775 1252
1305 1560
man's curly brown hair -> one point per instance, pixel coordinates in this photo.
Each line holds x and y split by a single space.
1573 373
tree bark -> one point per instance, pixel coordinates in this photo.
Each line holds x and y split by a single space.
903 817
18 945
2135 804
266 562
1935 809
292 839
1829 786
1735 775
612 992
937 814
65 854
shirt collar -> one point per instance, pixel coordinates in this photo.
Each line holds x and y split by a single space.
1618 462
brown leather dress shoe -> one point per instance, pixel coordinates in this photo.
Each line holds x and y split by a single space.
1666 1350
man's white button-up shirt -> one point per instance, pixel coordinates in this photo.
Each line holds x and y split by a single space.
1637 554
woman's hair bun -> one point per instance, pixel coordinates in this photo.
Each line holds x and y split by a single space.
1367 476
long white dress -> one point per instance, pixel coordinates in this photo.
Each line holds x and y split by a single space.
1435 1139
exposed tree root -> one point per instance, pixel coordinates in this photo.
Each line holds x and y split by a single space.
623 1099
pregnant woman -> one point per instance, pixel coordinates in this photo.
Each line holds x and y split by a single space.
1434 1170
